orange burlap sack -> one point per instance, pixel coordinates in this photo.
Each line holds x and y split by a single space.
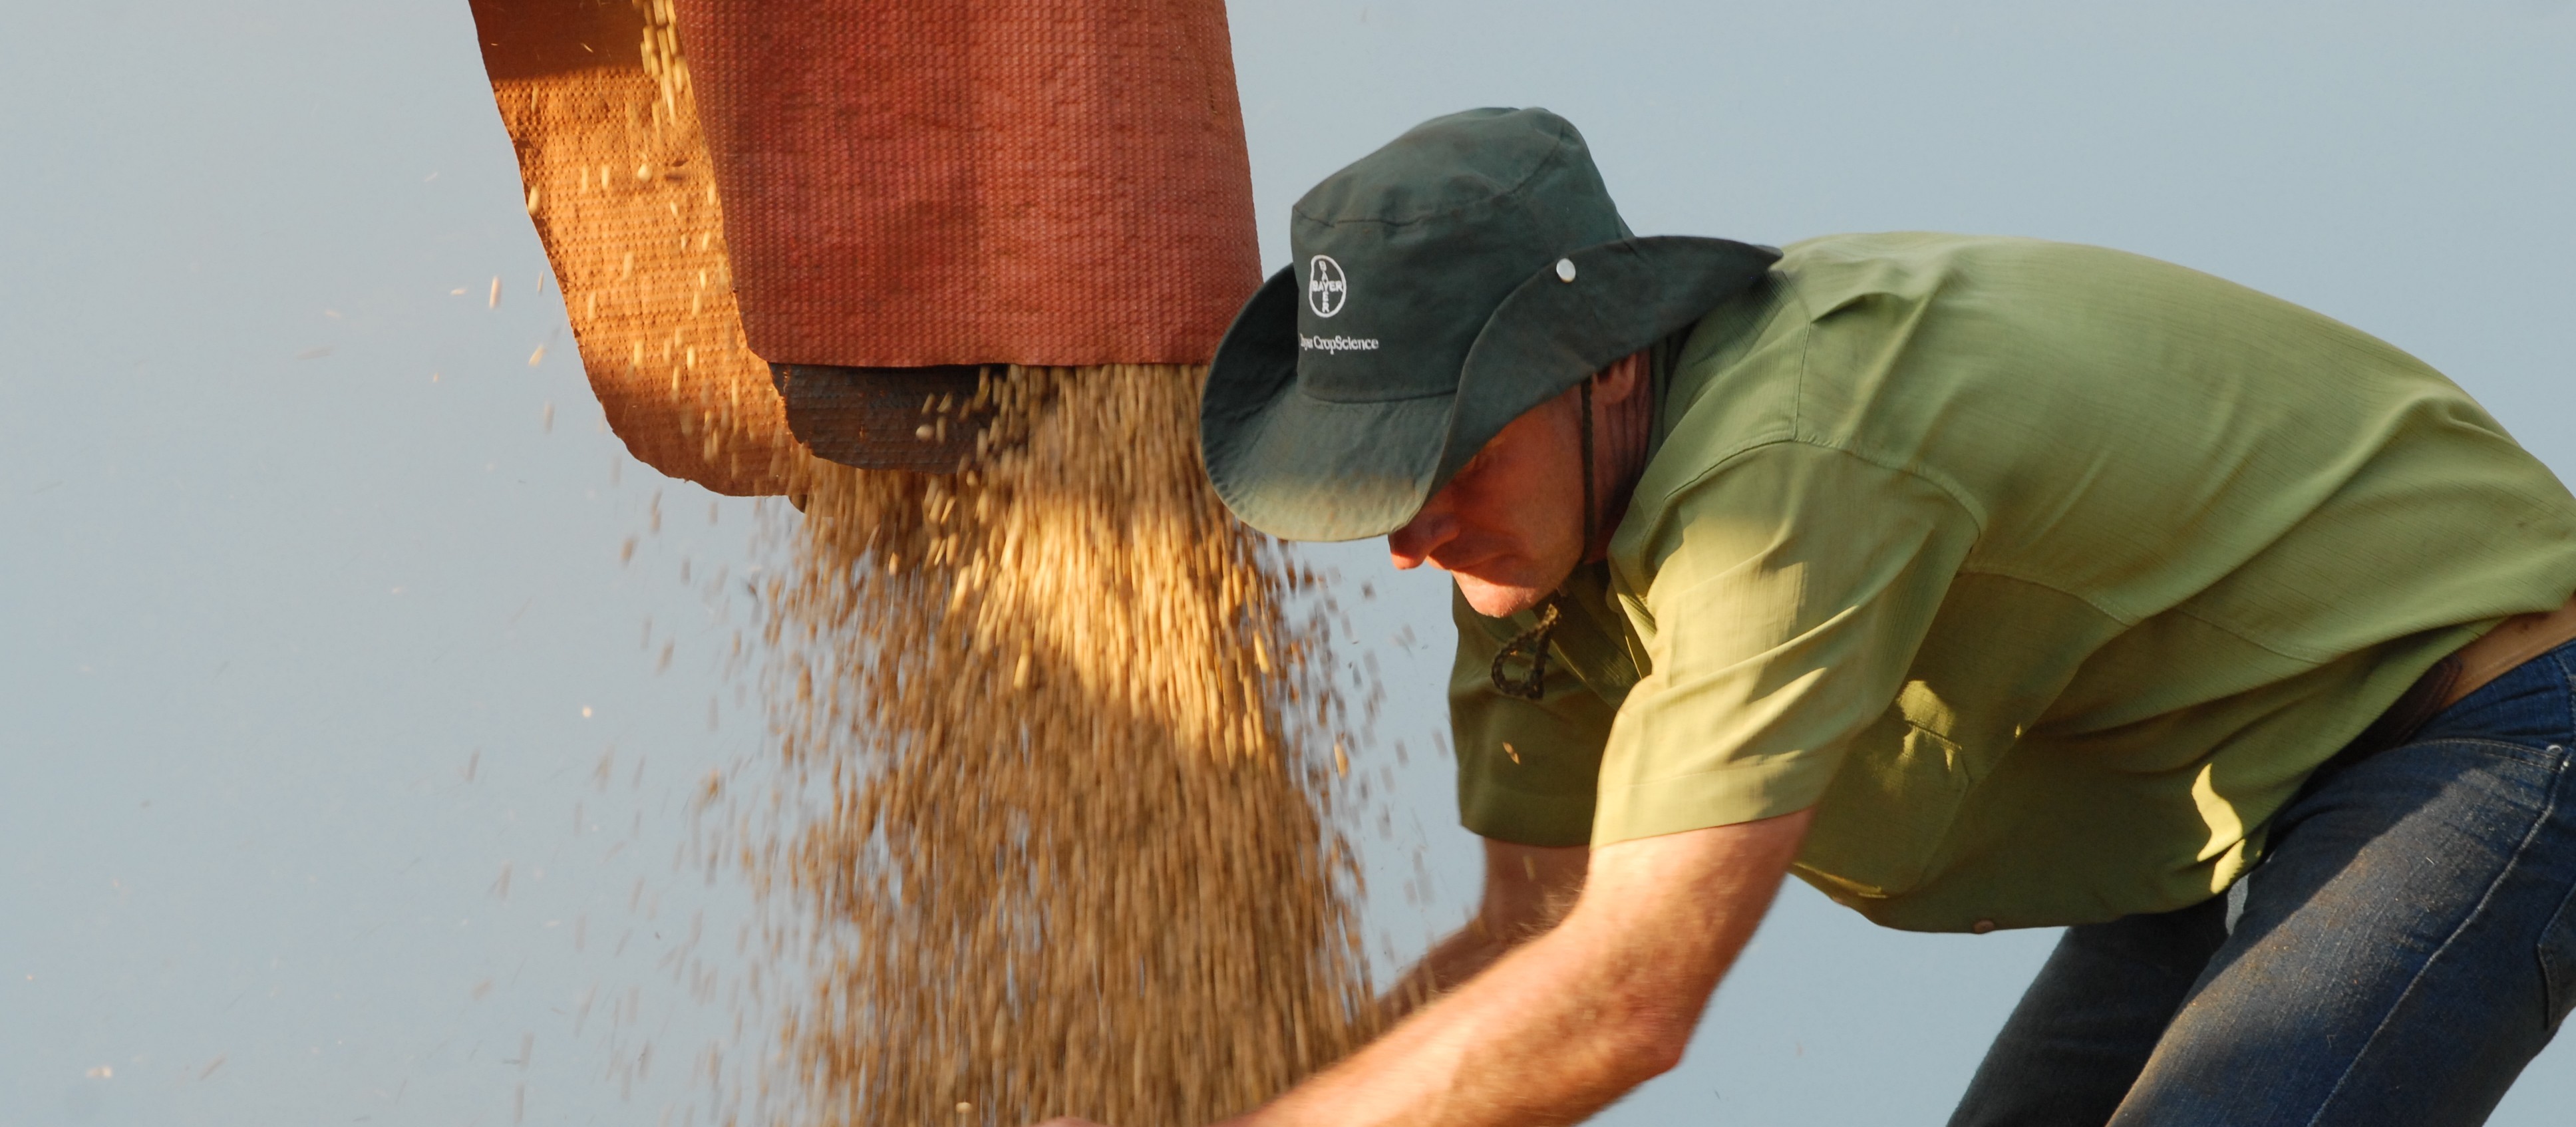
919 182
597 104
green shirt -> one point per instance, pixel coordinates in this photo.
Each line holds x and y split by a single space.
2045 573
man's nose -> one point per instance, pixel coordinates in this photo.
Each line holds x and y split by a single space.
1411 546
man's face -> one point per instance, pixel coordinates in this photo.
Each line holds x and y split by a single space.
1509 527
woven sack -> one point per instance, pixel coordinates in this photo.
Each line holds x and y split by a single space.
598 106
911 183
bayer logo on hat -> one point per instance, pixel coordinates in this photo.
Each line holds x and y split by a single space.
1326 288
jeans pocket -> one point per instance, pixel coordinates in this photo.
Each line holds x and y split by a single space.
2558 961
2558 953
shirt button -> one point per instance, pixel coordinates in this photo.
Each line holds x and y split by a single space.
1565 269
1982 926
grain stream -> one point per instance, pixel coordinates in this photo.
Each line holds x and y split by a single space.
1057 834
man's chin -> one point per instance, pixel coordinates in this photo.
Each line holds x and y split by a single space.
1498 600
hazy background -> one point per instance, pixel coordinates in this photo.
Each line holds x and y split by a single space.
337 779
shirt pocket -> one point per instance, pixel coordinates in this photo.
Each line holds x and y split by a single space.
1884 817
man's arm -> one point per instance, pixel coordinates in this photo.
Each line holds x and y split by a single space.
1570 1021
1527 890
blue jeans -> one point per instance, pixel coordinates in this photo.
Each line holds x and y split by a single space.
2407 946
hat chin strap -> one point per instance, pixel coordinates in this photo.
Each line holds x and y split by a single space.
1590 519
1535 639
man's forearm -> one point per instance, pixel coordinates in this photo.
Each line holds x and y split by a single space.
1550 1033
1572 1020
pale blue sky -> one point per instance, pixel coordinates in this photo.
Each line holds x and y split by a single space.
268 589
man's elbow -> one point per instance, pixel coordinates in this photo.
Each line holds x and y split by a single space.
1662 1050
1652 1036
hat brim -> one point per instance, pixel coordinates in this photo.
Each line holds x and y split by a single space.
1302 468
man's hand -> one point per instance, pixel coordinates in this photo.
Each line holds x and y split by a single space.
1570 1021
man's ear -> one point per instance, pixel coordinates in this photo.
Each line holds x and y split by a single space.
1621 379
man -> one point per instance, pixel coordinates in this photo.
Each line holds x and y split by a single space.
1980 582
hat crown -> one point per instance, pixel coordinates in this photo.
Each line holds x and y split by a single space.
1445 165
1403 255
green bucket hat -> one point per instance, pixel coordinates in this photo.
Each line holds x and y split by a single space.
1470 270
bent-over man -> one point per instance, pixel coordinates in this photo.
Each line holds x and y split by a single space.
1979 582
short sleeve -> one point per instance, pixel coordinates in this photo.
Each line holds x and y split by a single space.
1527 769
1785 592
